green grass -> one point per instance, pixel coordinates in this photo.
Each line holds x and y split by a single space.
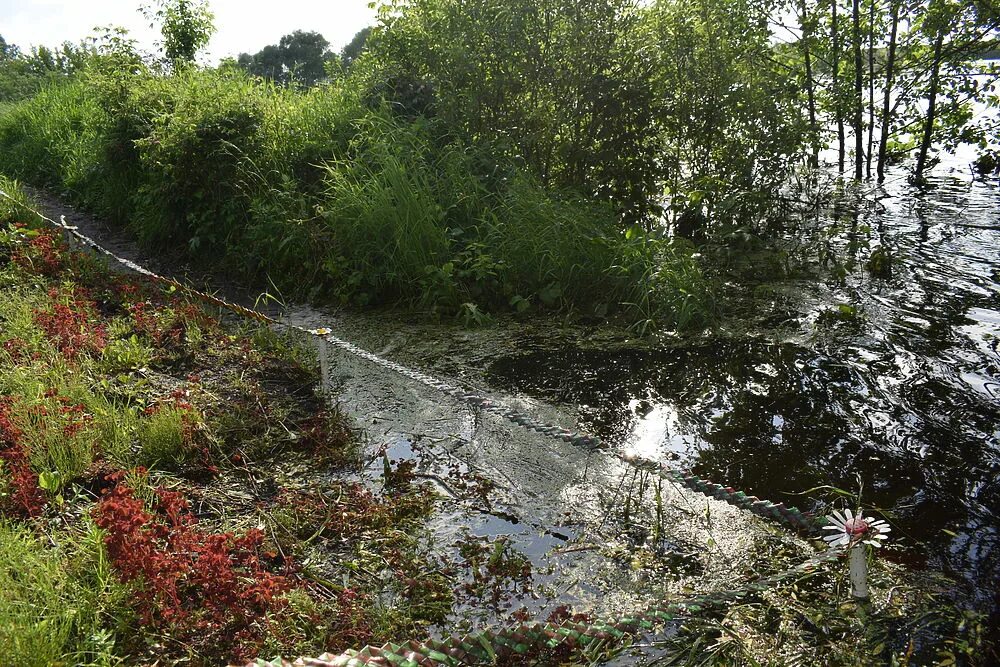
58 602
162 437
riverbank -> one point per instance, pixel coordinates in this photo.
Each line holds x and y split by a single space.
174 488
259 476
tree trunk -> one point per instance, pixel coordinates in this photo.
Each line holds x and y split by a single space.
871 89
859 139
838 111
890 73
810 85
925 143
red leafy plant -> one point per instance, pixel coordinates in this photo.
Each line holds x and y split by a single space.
210 590
71 323
43 252
327 435
166 325
20 495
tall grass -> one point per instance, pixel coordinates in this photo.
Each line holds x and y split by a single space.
328 194
57 603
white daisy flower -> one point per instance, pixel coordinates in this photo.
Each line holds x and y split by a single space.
850 530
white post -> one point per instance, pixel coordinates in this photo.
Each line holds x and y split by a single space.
67 235
859 572
324 369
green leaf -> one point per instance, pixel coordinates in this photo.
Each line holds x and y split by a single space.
50 481
550 294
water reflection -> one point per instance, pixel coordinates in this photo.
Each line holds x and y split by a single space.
905 394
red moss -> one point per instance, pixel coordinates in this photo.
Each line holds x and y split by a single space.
167 325
206 588
15 347
43 253
71 323
24 497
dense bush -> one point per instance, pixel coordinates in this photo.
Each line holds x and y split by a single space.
328 193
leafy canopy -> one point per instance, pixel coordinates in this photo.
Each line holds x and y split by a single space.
186 26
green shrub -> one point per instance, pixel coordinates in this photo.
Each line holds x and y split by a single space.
329 195
385 218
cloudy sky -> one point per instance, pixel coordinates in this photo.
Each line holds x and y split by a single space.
242 25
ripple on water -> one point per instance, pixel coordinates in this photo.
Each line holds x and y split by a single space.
906 395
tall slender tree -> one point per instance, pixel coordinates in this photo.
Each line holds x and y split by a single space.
859 129
888 85
838 109
871 88
932 94
806 26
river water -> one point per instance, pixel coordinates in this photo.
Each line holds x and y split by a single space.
822 373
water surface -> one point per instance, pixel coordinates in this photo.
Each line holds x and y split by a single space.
825 374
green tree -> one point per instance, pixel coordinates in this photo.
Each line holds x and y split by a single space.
561 85
921 57
22 74
8 52
731 115
352 51
807 27
888 86
186 27
957 33
300 58
857 109
836 94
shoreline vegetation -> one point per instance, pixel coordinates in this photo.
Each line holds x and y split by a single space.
164 476
468 160
174 488
323 194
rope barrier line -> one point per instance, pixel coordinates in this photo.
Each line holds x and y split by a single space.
489 646
790 516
